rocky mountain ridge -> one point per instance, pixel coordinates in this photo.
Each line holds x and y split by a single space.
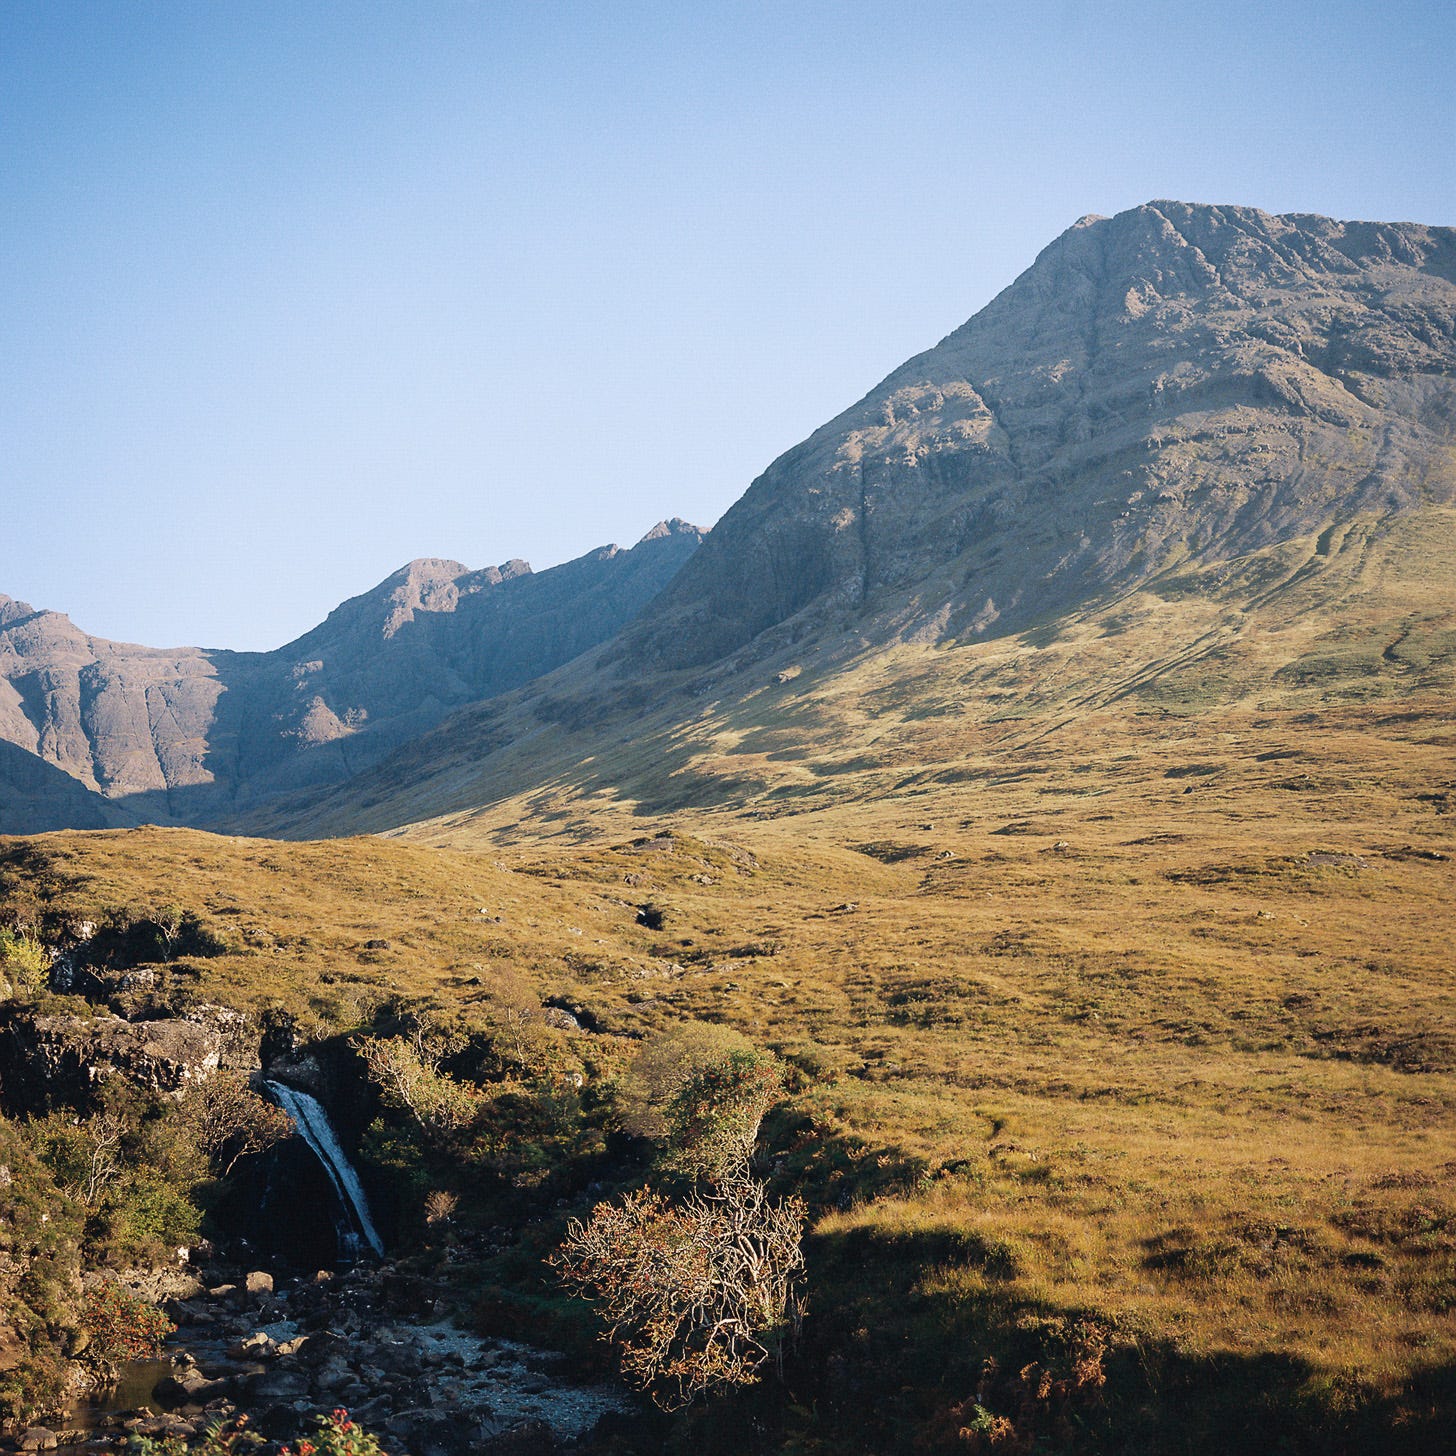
1193 453
1210 408
98 733
1176 383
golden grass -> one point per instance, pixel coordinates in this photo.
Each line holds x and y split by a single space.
1124 954
1183 1043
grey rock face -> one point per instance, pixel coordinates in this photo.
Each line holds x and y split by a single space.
98 734
59 1061
1177 382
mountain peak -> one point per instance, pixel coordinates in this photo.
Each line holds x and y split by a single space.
426 584
12 610
1247 240
1152 389
674 526
427 568
237 726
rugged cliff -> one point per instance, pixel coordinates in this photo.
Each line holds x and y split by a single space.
1175 383
188 734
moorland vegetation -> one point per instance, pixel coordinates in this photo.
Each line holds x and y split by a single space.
1118 1089
1015 849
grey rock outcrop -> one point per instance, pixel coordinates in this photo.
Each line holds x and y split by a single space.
60 1061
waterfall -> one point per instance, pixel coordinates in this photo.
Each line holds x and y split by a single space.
312 1122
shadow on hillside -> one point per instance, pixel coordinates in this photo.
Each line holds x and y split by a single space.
37 797
890 1362
296 722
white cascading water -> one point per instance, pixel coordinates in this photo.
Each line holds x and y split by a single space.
308 1116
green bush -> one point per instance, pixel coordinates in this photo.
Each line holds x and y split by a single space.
714 1117
24 965
135 1167
664 1064
40 1237
143 1218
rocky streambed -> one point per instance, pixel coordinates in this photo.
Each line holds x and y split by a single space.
373 1340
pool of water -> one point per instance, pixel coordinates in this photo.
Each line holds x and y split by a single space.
135 1389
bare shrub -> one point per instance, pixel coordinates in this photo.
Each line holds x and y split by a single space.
440 1206
698 1294
228 1121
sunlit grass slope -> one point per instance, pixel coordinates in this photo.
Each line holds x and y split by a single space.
1362 612
1115 961
1153 1019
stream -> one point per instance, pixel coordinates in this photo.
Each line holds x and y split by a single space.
368 1337
364 1339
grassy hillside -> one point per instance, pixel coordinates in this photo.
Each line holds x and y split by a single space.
1112 962
1149 1019
1359 613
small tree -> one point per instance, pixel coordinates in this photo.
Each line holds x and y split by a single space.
24 965
169 921
85 1155
228 1121
700 1293
409 1078
664 1065
697 1295
513 1020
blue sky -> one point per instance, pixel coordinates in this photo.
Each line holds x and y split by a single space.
294 292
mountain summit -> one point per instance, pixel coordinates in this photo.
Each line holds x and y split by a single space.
1176 382
1188 426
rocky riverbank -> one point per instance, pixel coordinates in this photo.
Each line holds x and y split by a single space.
374 1340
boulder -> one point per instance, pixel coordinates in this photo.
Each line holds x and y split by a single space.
322 1348
334 1376
189 1387
255 1346
153 1426
276 1386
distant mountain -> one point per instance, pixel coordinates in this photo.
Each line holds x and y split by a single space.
1194 455
35 797
1175 384
187 735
